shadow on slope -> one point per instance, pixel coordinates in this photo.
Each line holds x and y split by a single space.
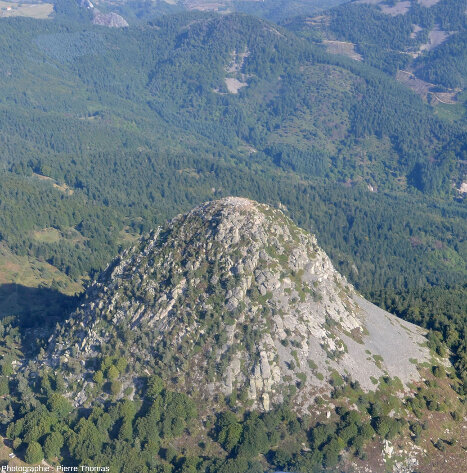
29 314
34 306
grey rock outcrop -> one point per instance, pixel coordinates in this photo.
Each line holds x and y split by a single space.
234 298
111 20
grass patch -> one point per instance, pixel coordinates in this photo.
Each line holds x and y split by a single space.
281 257
30 272
47 235
378 359
336 379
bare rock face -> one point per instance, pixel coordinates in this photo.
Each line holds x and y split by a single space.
234 299
86 4
111 20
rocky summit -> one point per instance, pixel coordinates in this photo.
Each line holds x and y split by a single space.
233 299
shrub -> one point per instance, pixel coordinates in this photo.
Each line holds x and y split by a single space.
439 371
112 373
115 387
52 445
4 386
34 453
98 378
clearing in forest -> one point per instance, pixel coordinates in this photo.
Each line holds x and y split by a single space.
428 3
400 8
234 85
435 38
39 11
344 48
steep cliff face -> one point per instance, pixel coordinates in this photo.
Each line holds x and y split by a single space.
234 299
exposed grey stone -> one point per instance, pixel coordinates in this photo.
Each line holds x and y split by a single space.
279 306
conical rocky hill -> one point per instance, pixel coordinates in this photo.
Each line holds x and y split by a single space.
233 299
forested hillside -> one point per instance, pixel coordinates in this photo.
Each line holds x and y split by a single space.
422 44
140 123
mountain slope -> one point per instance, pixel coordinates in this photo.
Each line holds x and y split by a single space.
422 44
225 342
149 110
234 298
